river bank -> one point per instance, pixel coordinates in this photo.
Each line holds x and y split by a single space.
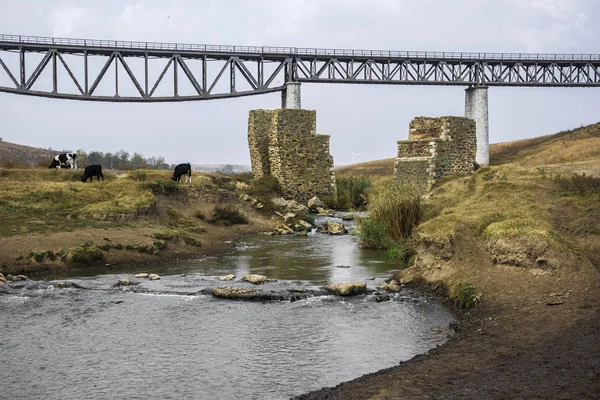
530 245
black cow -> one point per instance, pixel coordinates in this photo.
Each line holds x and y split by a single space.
64 158
182 169
91 171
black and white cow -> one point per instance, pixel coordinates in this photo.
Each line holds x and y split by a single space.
91 171
64 158
182 169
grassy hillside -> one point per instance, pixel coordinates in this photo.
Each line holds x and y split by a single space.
577 145
49 219
14 155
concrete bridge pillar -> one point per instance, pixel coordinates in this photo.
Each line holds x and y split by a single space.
290 97
476 108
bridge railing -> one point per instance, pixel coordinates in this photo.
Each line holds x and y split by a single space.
119 44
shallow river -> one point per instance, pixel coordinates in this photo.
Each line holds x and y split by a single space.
164 340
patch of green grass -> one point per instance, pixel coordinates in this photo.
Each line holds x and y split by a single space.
190 240
85 255
166 235
486 220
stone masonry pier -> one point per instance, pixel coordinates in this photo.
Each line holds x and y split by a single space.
284 144
436 147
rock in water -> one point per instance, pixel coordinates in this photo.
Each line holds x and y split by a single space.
314 203
336 228
347 289
141 275
256 279
153 277
227 277
124 282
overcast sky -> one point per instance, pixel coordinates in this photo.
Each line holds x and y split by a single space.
365 119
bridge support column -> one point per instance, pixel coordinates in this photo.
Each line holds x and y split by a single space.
290 97
476 108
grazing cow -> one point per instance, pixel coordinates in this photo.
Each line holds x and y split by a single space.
64 158
92 171
182 169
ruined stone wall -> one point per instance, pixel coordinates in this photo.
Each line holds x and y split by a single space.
259 125
436 147
283 143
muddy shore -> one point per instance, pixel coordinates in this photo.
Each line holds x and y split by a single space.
534 336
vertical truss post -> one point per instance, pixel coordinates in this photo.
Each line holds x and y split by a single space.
22 79
116 77
175 79
54 73
146 74
231 76
85 72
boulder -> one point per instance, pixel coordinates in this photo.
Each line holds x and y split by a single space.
61 285
153 277
289 217
300 210
303 226
348 217
347 289
321 211
124 282
314 203
3 279
336 228
279 202
20 278
302 233
227 277
232 292
255 279
391 286
141 275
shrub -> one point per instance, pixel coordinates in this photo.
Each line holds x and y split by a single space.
163 186
464 295
400 251
399 208
226 216
166 235
373 234
138 175
85 255
352 192
580 185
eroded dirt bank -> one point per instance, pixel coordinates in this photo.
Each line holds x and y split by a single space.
535 335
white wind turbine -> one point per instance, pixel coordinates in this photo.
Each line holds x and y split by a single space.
354 157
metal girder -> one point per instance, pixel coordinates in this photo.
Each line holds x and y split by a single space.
232 71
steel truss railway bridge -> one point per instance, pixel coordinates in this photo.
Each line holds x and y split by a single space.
125 71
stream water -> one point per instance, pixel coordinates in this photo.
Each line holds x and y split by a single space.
166 339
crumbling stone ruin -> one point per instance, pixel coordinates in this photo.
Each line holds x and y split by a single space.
284 144
436 147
